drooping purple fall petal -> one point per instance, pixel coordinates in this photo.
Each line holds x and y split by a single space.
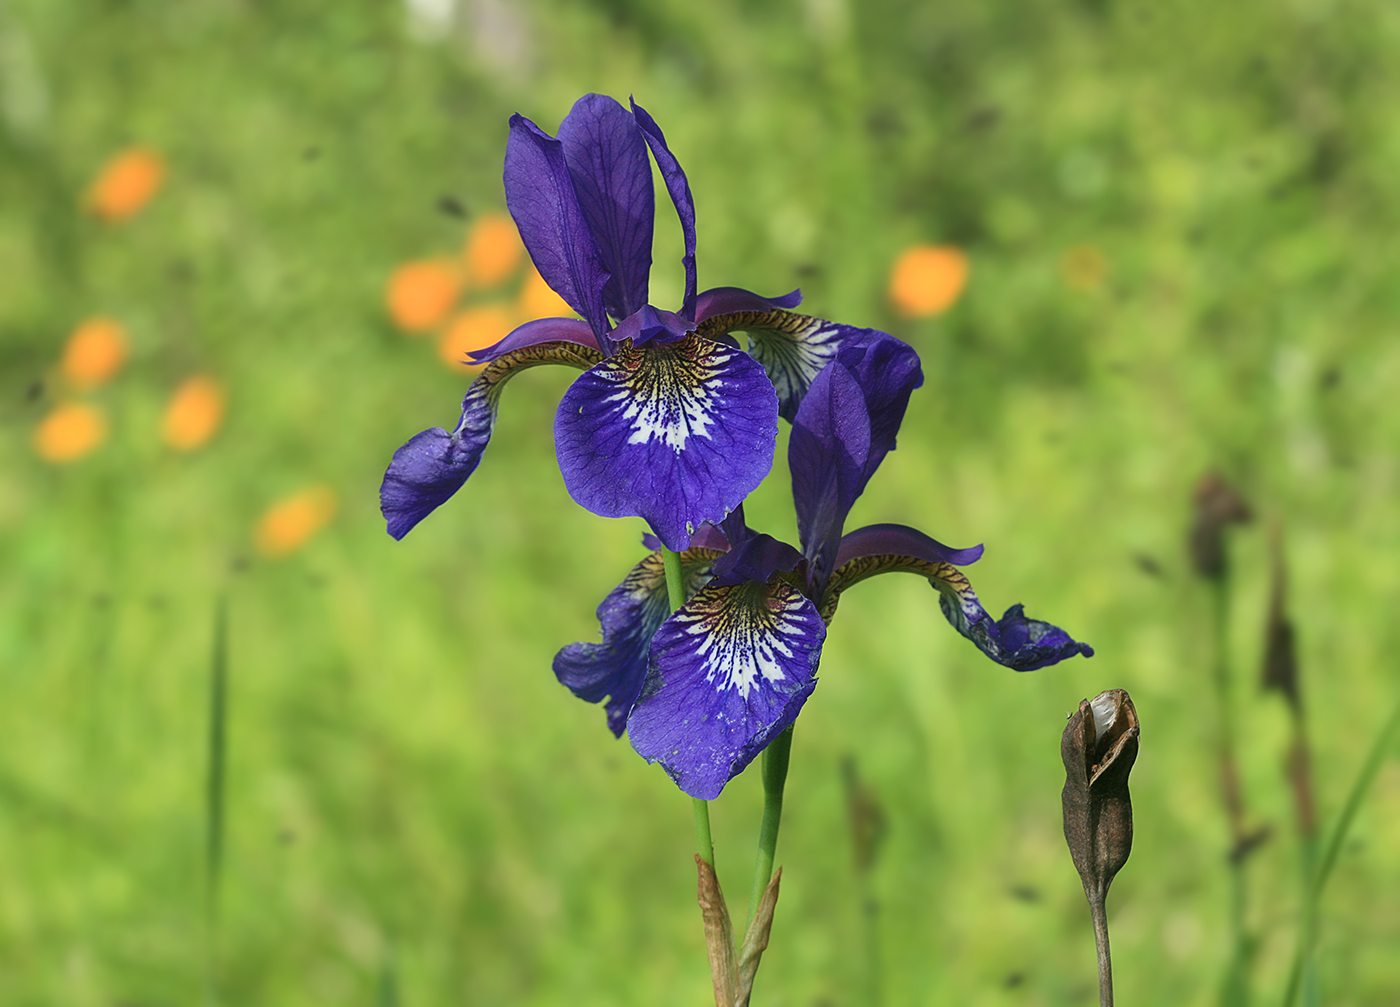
630 616
434 464
677 434
727 300
730 670
611 173
541 330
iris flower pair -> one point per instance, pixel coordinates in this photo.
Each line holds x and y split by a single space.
673 422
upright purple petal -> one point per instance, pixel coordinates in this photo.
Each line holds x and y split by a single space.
755 557
1015 641
433 465
630 616
729 672
887 371
540 196
676 433
827 455
607 160
679 188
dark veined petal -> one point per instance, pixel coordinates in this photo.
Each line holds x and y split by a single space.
792 348
757 557
1015 641
730 670
541 330
540 196
726 300
434 464
677 434
679 188
608 163
630 616
827 455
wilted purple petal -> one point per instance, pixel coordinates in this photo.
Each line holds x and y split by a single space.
541 330
540 196
434 464
727 300
630 616
827 455
729 672
607 160
677 434
679 188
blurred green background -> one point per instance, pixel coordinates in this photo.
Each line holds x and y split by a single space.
415 811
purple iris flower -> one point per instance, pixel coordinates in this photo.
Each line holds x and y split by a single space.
704 690
672 420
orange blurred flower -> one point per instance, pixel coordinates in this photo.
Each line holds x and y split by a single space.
194 413
94 353
493 250
125 184
474 329
287 524
1084 268
927 279
421 294
538 300
70 432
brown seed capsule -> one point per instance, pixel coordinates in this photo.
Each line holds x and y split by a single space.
1099 747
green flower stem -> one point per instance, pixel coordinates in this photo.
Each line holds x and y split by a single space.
675 593
1307 935
774 763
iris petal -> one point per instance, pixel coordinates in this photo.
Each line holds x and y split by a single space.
540 196
1015 641
679 188
792 348
607 160
433 465
677 434
630 616
729 672
541 330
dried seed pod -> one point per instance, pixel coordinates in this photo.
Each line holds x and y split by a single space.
1099 746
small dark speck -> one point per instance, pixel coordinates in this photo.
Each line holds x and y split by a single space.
286 837
238 564
34 391
1014 979
1024 893
983 118
807 269
1148 565
451 206
102 599
1331 378
311 153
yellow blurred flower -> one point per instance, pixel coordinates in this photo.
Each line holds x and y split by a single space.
538 300
420 294
70 432
927 280
289 523
474 329
94 353
1084 268
125 184
194 413
493 250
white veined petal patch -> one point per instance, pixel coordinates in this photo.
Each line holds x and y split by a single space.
749 632
668 393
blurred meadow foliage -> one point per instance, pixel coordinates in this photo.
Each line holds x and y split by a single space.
1176 228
